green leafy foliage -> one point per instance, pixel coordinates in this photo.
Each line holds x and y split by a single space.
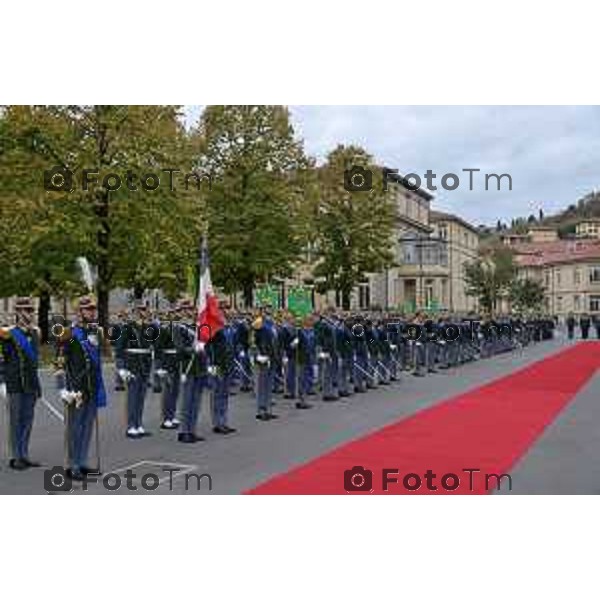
354 230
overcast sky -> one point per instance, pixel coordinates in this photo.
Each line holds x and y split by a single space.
551 152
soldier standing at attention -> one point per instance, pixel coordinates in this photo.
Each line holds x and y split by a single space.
81 386
134 363
346 361
307 359
326 332
116 329
597 325
195 380
584 325
221 351
242 342
19 381
168 360
289 342
266 352
570 326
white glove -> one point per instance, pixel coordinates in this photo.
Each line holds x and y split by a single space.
212 370
126 375
3 392
183 378
242 354
393 347
323 355
295 342
261 359
199 346
285 360
161 373
70 397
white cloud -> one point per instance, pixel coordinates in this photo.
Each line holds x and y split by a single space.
551 152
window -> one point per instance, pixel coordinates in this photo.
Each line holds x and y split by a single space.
559 303
594 303
558 277
577 277
444 255
466 238
577 303
595 274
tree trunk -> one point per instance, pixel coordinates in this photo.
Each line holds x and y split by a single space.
138 291
103 236
43 314
248 289
346 292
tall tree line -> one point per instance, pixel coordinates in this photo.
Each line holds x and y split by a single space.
265 202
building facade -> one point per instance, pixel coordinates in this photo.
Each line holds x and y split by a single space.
569 270
588 228
431 251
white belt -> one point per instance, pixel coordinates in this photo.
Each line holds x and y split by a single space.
138 350
169 351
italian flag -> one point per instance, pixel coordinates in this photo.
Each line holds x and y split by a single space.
209 318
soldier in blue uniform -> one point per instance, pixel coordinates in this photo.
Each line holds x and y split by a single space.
384 353
242 348
267 344
221 351
194 379
419 346
289 343
346 356
395 341
326 333
361 354
584 326
168 359
116 329
81 385
19 381
307 359
134 363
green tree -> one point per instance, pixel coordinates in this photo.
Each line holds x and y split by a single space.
526 295
256 207
354 230
135 237
489 277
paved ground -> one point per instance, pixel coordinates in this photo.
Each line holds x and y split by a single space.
562 462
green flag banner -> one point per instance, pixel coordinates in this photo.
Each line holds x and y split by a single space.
265 295
299 301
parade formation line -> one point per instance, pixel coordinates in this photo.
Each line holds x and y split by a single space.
486 429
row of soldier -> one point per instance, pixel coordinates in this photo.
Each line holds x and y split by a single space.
585 322
265 352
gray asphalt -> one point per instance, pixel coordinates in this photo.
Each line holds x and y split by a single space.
562 462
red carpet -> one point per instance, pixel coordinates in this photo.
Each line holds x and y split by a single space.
488 428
